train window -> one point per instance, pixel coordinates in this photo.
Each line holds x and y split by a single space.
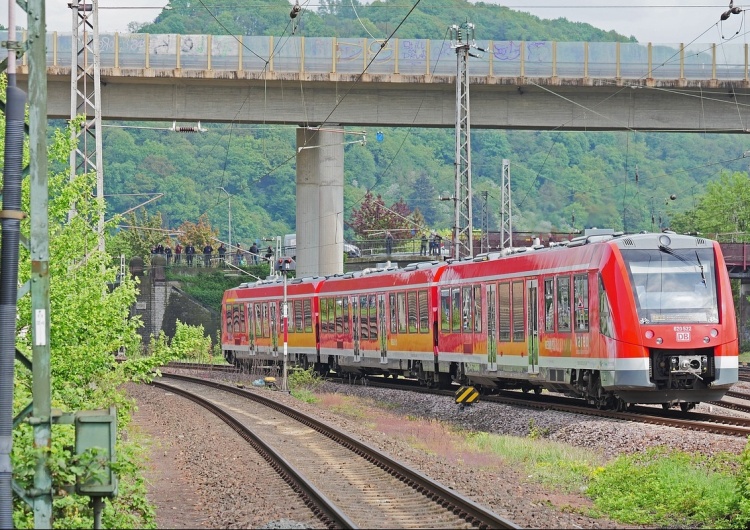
456 310
411 299
519 332
264 312
228 319
581 294
250 326
563 303
364 326
424 313
393 312
274 315
549 305
503 304
402 312
445 310
606 323
331 315
339 315
478 308
345 308
373 317
466 312
324 315
307 315
241 309
258 322
298 316
673 284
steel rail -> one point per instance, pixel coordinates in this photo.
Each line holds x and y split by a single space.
452 501
319 504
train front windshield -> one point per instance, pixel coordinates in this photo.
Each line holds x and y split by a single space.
673 285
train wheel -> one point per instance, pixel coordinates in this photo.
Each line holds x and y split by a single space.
621 405
684 407
538 390
229 356
666 406
304 363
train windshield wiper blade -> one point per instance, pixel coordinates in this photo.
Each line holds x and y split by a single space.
671 252
703 276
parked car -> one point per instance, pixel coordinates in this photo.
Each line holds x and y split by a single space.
352 251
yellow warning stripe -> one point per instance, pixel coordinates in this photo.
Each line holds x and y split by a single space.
466 392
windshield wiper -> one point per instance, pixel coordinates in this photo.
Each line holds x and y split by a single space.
671 252
703 276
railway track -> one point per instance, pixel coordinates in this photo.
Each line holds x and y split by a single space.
346 483
712 423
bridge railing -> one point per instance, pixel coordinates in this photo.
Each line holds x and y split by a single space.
540 59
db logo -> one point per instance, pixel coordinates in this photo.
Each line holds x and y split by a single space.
683 336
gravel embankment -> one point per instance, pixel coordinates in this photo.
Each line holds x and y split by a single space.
203 476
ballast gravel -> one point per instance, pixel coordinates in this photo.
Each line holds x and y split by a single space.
202 475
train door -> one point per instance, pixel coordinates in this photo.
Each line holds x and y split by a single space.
532 312
272 309
382 329
355 327
491 328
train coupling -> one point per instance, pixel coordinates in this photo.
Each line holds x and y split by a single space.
696 365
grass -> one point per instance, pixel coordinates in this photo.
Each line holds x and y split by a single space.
659 487
666 488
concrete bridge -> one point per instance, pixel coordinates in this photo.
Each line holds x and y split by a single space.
411 82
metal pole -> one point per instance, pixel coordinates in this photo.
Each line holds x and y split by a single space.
40 281
230 215
286 331
10 218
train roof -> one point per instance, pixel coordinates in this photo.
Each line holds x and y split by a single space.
432 270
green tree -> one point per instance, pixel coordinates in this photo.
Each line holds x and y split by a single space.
723 209
199 234
140 232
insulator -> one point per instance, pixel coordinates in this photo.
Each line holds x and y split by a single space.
295 11
725 14
736 10
187 129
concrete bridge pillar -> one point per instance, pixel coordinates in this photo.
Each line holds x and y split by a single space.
320 202
743 326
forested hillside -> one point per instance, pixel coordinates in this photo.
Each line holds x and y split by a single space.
560 180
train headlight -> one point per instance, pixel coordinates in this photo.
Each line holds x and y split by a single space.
664 240
649 334
714 333
706 340
659 340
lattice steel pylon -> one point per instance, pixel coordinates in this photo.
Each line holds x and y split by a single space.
485 241
85 99
506 216
462 40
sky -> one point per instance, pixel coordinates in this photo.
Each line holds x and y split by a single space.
658 21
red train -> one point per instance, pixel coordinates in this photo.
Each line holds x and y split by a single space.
615 319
